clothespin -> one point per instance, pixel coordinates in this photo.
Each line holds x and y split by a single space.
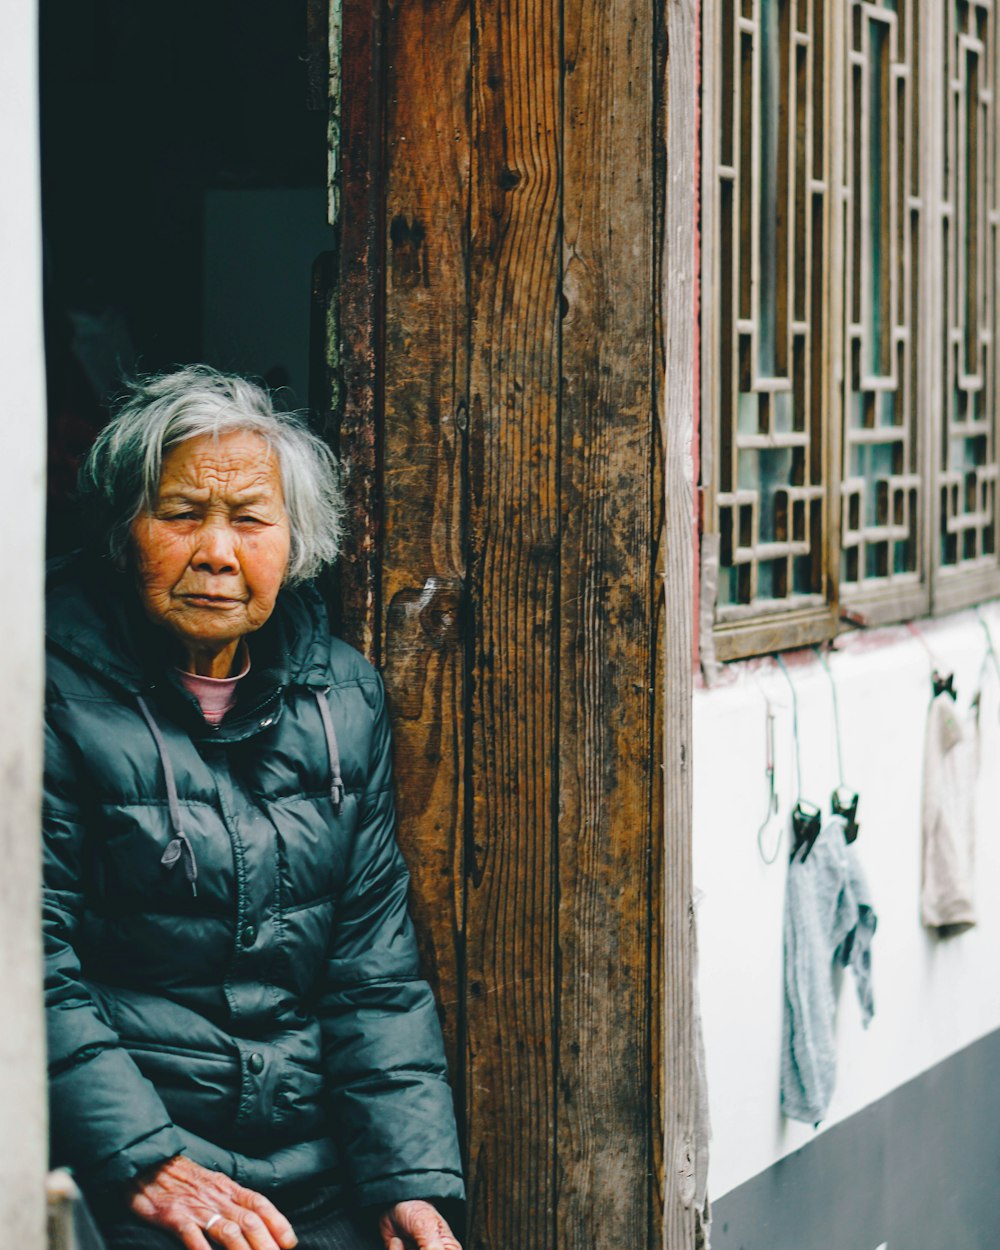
806 824
942 682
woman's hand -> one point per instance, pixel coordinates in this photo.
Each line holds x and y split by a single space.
201 1207
416 1225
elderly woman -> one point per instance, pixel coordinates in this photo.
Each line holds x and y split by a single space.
241 1050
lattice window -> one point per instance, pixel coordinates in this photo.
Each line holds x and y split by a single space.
882 485
967 464
850 391
769 206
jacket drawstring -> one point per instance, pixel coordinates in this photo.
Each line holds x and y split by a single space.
179 849
336 783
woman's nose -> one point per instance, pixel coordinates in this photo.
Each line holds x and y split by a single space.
216 550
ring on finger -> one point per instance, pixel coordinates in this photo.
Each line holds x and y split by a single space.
211 1220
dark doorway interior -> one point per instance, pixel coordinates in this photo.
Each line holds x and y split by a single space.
184 201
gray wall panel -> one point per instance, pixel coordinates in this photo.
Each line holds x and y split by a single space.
919 1169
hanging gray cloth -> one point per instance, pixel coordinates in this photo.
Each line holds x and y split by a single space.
951 768
829 922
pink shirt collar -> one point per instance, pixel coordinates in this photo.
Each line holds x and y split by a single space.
215 695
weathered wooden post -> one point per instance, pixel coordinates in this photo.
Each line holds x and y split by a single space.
519 402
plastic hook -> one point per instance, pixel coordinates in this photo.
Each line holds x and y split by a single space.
772 794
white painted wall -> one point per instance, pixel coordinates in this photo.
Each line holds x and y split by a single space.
23 1136
933 997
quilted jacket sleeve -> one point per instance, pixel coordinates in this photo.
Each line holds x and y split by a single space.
383 1053
107 1121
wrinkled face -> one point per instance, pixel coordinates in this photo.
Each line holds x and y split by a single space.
211 556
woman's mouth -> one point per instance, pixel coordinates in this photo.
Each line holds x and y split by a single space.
213 601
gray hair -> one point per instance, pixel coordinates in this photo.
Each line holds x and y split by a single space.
120 478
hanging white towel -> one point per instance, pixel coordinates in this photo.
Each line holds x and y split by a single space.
829 921
951 769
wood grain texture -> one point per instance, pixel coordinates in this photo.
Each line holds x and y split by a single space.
517 612
422 557
606 686
656 1119
353 336
514 569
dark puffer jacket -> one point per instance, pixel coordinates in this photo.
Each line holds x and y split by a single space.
244 988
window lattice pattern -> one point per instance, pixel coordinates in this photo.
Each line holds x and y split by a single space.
967 472
772 193
881 485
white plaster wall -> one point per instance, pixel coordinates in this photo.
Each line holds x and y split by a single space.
22 1046
933 996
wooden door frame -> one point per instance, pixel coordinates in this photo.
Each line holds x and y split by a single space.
360 313
359 323
679 115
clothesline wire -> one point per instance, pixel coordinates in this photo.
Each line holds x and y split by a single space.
936 665
836 713
990 649
795 723
990 656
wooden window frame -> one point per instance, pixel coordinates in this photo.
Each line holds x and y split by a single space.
958 587
890 595
925 584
